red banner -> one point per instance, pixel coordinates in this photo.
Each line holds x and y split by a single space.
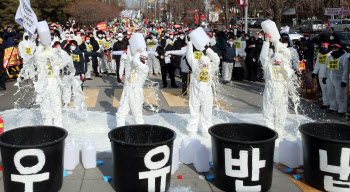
242 3
102 26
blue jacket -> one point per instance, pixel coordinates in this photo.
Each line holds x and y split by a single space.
229 53
10 38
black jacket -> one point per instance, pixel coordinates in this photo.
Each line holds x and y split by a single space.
161 52
79 63
119 46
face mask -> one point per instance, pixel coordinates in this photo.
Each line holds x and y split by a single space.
247 38
260 37
73 48
87 41
315 45
100 36
104 36
182 37
108 39
72 36
26 37
78 35
306 38
323 49
331 38
120 39
231 43
285 44
54 28
67 36
171 36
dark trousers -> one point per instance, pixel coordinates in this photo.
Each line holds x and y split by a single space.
170 69
252 69
184 77
95 64
117 63
238 73
2 78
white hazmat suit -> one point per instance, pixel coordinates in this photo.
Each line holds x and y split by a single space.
336 73
26 48
204 67
321 70
132 96
279 87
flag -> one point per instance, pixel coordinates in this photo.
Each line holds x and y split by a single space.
102 26
26 17
242 3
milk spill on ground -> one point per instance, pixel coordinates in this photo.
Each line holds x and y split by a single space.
98 124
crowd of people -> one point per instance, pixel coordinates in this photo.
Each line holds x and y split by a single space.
96 52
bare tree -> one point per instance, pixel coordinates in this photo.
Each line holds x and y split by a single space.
276 8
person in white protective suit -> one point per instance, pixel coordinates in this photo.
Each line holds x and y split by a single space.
26 50
110 64
100 40
132 96
293 52
125 60
153 62
49 61
280 81
336 78
204 67
322 59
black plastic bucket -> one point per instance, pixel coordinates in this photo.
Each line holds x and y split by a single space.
235 147
33 154
142 153
325 146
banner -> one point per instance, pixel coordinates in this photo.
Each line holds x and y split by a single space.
290 11
242 3
213 16
26 17
337 11
102 26
332 11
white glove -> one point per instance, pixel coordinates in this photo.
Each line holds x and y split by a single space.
156 54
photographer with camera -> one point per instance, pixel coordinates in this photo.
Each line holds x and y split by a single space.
11 57
10 37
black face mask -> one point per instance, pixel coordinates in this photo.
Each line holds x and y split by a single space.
323 50
26 37
337 54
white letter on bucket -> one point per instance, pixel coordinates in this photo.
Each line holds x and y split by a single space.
155 167
26 178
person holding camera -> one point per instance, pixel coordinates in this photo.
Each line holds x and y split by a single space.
10 37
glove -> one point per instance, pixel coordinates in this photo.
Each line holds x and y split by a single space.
324 80
343 84
313 75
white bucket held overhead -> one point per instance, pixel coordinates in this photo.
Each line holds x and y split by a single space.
137 42
44 33
270 28
199 38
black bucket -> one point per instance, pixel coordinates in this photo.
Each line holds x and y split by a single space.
325 147
235 147
142 153
32 158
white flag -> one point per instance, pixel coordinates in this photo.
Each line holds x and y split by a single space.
26 17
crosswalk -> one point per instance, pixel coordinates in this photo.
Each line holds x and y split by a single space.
172 97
